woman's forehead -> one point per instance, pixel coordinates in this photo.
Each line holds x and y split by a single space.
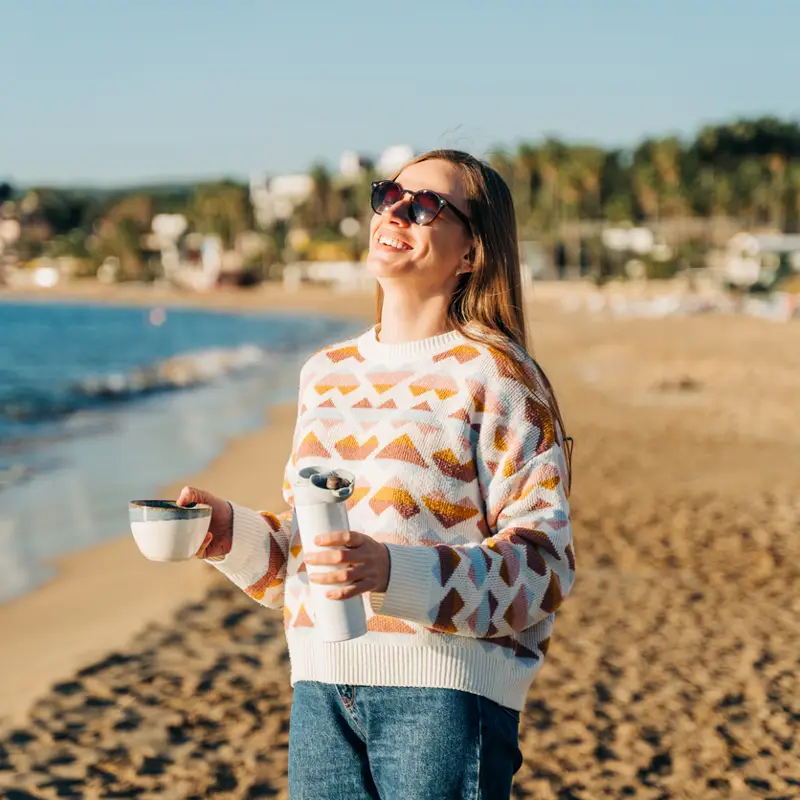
436 175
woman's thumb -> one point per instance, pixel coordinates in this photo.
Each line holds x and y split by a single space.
191 495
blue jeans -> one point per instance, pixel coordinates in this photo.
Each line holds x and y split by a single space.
398 743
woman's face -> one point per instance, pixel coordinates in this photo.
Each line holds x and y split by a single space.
427 255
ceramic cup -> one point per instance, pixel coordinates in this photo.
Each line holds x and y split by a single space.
165 531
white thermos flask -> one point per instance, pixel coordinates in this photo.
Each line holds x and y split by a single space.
319 509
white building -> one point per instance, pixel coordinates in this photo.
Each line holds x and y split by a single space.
352 165
636 240
751 259
393 159
277 198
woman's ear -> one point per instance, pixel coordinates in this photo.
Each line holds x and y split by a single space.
466 262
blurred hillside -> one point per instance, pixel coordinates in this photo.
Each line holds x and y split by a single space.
691 195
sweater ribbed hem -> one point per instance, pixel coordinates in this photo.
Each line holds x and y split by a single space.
411 571
370 347
250 531
463 665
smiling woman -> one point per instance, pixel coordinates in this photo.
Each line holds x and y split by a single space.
460 540
419 228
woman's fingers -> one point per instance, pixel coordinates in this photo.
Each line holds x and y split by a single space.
346 592
339 539
341 576
201 553
328 557
344 548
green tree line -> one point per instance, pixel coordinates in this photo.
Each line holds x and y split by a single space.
747 170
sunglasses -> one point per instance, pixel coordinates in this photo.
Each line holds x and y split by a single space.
425 205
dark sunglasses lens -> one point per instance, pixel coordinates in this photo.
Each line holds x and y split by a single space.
385 195
425 207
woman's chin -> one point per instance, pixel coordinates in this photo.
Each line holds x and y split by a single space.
386 265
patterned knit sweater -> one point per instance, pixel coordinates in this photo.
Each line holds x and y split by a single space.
461 472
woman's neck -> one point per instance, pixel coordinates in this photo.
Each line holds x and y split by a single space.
411 319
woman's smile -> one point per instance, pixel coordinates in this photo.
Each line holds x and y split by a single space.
392 242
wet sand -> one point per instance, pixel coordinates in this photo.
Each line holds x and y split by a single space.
674 669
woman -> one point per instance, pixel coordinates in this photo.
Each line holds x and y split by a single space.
461 536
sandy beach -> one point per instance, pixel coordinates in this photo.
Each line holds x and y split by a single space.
674 668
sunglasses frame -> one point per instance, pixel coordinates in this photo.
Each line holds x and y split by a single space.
463 218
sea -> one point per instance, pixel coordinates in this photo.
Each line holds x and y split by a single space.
100 405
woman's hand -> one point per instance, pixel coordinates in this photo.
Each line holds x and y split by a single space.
364 564
219 538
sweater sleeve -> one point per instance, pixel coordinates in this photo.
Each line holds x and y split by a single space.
524 567
257 560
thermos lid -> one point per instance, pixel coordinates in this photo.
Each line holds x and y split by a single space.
335 483
304 476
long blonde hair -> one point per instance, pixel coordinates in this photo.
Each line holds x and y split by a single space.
487 304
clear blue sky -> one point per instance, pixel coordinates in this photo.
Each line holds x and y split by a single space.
106 91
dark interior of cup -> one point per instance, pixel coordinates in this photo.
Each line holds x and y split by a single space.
168 509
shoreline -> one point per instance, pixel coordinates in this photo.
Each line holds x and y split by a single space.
100 597
268 297
86 608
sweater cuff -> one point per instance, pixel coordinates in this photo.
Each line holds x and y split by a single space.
412 571
250 533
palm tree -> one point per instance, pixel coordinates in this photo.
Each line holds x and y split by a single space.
668 158
321 207
776 165
222 209
746 181
586 169
645 186
792 198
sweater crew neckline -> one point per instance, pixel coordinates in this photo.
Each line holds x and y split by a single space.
372 347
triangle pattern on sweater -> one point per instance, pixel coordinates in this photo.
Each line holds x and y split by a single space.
461 353
311 447
343 353
442 385
350 449
383 382
394 495
342 381
402 449
447 512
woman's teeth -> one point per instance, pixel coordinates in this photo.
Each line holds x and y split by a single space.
395 243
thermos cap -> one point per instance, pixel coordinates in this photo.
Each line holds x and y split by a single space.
338 483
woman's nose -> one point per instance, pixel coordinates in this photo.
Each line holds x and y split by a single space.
398 213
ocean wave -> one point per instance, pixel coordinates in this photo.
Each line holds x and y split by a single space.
13 473
32 405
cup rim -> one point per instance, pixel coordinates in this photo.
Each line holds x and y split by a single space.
167 505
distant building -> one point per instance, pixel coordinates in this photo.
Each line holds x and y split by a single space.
352 165
277 198
169 227
761 259
10 230
393 159
636 240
